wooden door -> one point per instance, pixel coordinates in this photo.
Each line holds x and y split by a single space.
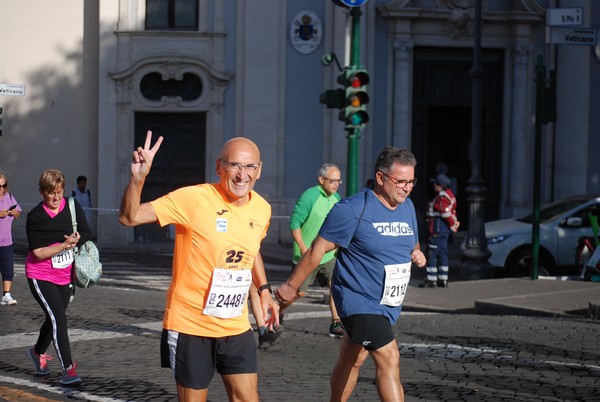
179 162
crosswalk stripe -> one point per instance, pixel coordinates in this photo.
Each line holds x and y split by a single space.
59 390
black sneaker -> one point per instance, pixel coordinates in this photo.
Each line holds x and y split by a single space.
428 284
267 340
336 330
442 284
279 328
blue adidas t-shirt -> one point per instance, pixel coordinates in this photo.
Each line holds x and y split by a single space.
382 237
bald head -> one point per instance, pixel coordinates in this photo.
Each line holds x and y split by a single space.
239 145
238 167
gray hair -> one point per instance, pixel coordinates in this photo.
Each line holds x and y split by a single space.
391 155
326 166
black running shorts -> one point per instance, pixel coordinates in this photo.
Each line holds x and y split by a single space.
370 330
194 358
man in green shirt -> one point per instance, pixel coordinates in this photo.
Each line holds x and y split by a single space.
310 212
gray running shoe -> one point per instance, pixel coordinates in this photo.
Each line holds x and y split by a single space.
69 376
40 362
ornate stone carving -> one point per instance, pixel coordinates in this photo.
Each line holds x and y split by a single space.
123 90
460 22
173 70
521 53
403 49
461 18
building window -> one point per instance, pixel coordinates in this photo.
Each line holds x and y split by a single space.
172 15
153 87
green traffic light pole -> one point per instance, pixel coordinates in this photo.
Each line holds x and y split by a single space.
353 133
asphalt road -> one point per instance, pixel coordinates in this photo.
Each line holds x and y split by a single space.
115 332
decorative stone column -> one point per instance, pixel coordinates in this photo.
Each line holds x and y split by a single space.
520 150
402 118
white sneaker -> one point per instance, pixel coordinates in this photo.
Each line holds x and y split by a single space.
8 300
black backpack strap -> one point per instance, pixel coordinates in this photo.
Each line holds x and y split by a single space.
361 214
357 222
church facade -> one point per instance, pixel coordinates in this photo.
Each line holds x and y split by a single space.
99 74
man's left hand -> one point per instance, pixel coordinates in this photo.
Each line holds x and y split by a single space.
270 310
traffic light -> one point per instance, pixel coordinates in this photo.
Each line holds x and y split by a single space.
355 82
333 98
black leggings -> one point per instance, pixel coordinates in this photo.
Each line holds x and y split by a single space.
54 300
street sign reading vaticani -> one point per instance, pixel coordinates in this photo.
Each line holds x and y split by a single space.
12 89
567 36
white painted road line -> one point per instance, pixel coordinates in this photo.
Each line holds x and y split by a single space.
58 390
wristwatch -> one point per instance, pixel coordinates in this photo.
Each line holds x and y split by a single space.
265 286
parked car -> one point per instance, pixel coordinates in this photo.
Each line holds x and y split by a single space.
562 223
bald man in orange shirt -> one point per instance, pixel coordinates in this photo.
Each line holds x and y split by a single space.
216 260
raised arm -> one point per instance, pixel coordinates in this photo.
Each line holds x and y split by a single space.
132 212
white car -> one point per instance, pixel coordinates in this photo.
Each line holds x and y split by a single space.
562 223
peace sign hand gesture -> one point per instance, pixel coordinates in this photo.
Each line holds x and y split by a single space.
143 157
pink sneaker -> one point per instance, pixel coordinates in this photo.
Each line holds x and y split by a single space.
40 361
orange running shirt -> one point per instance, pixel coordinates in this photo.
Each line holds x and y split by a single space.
210 233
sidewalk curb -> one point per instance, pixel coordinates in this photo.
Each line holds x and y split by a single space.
594 309
491 307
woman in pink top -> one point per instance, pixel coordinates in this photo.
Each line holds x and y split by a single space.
48 269
9 211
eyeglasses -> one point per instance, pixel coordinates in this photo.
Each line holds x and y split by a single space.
59 194
4 185
401 183
333 181
238 167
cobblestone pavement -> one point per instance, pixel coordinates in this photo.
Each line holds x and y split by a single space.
115 333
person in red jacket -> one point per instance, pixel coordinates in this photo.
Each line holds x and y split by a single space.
442 222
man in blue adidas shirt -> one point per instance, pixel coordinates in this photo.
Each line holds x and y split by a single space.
376 235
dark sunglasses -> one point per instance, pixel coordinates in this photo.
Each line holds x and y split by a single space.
4 185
